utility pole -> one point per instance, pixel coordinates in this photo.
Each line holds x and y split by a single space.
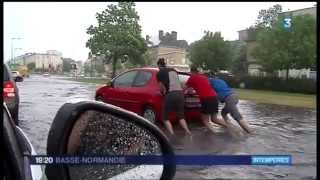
14 38
14 54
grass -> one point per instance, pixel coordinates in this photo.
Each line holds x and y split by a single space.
279 98
93 80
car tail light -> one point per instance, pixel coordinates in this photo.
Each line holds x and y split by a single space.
8 89
190 91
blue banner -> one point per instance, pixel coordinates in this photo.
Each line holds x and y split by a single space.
203 160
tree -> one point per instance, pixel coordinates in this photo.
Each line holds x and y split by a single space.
31 66
99 66
281 49
87 68
239 58
147 56
66 64
117 35
266 17
211 52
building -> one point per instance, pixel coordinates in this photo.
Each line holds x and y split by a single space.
172 50
249 37
311 10
49 61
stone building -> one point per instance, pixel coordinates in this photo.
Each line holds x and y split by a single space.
172 50
49 61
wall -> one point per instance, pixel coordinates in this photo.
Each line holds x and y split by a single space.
312 11
41 60
298 73
173 56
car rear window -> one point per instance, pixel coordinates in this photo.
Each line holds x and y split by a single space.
183 78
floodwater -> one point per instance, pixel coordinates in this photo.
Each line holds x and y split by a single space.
279 130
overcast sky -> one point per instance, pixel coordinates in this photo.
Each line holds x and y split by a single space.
62 26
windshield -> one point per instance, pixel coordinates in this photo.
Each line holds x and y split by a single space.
183 78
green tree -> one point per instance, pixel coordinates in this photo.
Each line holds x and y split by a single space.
66 64
87 68
266 17
239 58
117 35
31 66
281 49
99 66
147 56
211 52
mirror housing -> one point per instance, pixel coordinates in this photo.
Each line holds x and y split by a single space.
68 115
18 79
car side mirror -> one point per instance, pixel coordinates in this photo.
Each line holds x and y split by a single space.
18 79
98 129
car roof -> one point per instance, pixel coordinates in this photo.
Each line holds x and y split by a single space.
146 68
6 74
156 70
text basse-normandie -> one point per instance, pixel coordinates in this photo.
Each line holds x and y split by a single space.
90 160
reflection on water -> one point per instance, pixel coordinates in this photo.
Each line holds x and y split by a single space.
279 130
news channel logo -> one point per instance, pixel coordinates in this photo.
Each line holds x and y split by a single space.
287 23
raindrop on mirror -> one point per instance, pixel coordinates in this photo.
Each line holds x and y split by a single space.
102 134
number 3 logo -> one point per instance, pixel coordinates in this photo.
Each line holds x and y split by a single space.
287 22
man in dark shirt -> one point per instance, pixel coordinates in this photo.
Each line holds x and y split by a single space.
171 88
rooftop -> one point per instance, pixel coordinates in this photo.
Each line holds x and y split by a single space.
299 10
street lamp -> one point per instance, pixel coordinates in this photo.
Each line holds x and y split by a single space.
14 38
14 54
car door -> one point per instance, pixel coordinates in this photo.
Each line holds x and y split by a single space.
119 93
18 149
140 91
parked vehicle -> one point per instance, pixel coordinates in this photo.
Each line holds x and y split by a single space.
11 92
137 90
17 75
74 119
23 70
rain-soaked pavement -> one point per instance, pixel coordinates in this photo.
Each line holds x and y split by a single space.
279 130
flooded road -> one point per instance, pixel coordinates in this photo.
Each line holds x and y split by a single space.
40 99
279 130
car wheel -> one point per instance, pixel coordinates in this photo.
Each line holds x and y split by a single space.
149 114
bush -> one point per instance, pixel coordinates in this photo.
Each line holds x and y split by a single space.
294 85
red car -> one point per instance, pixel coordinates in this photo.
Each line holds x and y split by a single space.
137 90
